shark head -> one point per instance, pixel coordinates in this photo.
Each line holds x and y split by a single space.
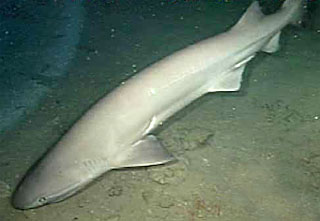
51 180
31 194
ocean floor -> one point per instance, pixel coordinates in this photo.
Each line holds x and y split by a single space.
247 155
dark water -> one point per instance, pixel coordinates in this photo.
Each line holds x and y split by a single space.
250 155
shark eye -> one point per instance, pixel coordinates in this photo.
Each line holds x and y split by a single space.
42 200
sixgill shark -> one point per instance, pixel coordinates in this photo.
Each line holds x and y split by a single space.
115 132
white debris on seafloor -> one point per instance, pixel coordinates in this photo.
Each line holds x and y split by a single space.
5 190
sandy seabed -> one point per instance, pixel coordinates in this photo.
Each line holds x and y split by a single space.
248 155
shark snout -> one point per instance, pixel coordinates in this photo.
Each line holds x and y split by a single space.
20 199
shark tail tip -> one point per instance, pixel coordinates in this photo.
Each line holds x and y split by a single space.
299 6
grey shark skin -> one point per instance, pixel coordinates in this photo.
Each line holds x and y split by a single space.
115 132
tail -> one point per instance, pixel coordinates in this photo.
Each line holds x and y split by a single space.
296 8
253 16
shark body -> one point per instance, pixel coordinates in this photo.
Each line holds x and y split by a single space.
115 132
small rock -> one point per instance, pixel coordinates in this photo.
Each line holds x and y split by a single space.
115 191
166 201
174 174
113 218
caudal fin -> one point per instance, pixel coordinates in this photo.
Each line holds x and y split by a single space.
296 9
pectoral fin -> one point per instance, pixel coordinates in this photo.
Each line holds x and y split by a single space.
145 152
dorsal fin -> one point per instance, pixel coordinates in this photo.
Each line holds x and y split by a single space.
251 16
